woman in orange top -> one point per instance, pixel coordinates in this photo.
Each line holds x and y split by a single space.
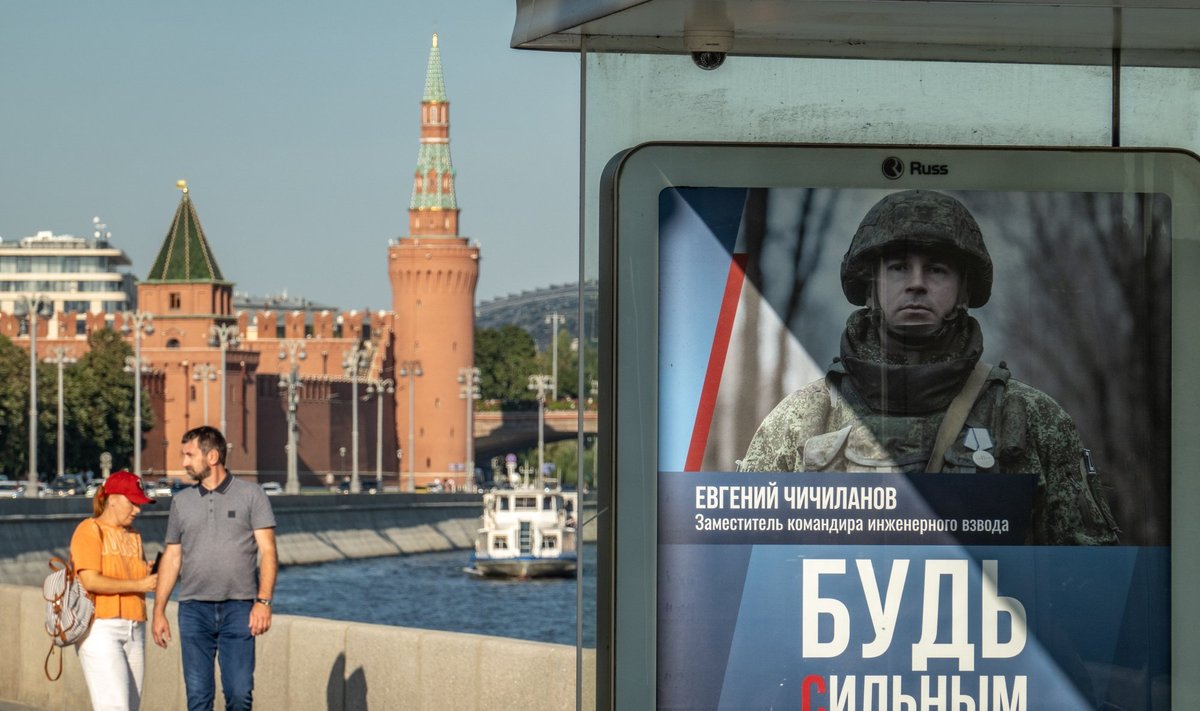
107 554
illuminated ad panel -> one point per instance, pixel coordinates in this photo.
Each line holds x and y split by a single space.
912 415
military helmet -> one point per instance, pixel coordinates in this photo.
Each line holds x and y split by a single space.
918 218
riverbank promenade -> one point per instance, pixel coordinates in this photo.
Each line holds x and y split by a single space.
303 663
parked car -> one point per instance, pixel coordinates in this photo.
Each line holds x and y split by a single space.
12 489
272 488
166 486
368 486
66 485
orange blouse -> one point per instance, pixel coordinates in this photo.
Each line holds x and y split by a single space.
118 554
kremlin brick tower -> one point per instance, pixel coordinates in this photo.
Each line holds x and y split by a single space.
189 300
433 272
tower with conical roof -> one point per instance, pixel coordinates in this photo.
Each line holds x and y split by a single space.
185 259
433 272
186 296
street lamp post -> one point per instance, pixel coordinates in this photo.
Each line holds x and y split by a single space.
224 335
33 306
293 352
139 323
204 372
353 363
469 378
135 365
595 391
60 358
554 319
378 388
540 383
411 369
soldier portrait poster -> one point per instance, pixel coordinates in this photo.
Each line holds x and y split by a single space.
905 590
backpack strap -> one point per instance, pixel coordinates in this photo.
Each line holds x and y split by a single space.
55 565
46 666
956 415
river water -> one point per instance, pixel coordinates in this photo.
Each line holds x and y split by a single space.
431 591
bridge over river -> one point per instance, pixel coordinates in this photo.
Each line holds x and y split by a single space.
498 433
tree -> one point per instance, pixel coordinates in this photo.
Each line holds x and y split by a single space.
506 357
1103 333
564 455
14 409
99 399
568 364
785 318
47 414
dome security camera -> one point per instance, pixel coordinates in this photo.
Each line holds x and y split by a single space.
708 47
708 60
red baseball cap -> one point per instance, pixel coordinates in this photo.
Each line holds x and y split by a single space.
128 485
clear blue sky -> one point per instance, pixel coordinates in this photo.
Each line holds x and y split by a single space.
296 126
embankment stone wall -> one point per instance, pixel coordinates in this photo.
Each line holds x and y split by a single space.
310 528
307 664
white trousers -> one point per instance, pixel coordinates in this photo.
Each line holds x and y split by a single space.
113 657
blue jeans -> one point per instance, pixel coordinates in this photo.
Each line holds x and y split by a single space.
212 629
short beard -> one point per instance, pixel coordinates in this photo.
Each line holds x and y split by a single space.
198 476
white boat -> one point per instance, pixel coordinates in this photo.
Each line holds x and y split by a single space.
526 532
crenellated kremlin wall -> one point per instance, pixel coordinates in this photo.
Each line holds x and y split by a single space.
255 411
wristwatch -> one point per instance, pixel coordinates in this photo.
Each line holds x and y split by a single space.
264 600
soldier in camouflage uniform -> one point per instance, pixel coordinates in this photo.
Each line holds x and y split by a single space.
917 263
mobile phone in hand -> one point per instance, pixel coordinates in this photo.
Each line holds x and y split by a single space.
157 560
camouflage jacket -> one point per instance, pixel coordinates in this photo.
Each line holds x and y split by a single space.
828 426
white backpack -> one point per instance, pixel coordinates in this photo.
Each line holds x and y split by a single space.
69 610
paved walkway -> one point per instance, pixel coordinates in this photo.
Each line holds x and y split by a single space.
14 706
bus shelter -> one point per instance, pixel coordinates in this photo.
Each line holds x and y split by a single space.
731 151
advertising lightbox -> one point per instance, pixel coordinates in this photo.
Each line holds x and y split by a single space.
899 427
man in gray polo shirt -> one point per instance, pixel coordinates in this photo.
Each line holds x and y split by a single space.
220 548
